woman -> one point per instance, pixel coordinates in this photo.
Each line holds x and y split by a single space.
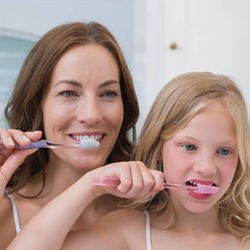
75 82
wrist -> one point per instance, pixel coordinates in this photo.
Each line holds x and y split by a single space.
96 191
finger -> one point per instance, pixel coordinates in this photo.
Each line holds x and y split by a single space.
124 174
148 180
34 135
158 181
6 138
11 137
4 154
12 163
137 179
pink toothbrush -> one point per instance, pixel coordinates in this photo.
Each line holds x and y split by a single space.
200 188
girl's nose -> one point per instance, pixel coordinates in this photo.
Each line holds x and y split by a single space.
89 111
206 165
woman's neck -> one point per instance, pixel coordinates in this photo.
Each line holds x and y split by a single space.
98 208
58 178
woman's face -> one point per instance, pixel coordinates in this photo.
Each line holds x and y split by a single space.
84 98
204 152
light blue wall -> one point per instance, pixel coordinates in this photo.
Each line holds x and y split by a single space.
27 20
12 54
38 16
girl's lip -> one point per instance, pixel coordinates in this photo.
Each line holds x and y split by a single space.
200 181
199 196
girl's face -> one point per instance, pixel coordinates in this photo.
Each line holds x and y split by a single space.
84 98
204 152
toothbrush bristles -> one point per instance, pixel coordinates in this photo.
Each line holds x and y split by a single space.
206 189
200 188
89 142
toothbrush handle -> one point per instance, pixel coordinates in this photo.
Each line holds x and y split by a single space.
114 181
35 144
48 144
106 181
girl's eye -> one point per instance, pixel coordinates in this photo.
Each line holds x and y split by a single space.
189 147
224 151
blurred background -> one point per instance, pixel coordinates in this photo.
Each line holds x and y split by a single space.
160 38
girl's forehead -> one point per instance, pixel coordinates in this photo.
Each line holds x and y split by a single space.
213 120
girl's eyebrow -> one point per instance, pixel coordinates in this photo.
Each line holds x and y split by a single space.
78 84
228 140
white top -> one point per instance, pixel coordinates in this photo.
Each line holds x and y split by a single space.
18 226
148 231
15 213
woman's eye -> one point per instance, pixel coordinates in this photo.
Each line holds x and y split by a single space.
189 147
110 93
68 93
224 151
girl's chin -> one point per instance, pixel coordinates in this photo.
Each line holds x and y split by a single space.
199 208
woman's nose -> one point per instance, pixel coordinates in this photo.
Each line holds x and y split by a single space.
89 110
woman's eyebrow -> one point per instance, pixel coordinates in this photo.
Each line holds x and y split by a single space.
78 84
108 82
70 82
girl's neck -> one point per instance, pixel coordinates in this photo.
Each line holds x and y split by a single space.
181 220
197 223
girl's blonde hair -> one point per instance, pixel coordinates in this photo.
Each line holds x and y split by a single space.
175 106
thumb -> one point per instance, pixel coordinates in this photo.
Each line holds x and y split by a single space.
12 163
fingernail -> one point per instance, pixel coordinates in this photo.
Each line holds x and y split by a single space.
10 141
25 138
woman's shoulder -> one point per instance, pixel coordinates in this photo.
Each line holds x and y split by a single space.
5 209
7 225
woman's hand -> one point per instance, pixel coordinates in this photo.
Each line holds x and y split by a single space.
10 156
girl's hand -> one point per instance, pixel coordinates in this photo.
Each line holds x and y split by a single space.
11 157
136 179
54 224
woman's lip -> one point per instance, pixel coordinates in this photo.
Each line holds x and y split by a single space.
77 136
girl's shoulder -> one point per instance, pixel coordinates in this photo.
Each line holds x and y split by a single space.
126 216
120 229
131 224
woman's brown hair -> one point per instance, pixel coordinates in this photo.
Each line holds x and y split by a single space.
24 112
